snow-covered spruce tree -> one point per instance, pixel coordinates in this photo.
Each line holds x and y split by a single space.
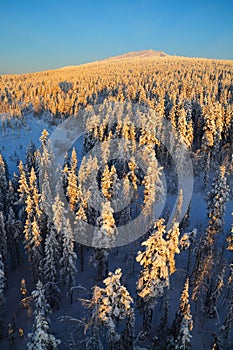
46 201
185 128
52 255
217 198
12 195
223 339
230 239
72 182
3 183
2 297
45 157
41 338
153 187
178 209
80 224
106 183
104 236
214 287
3 239
225 332
173 246
158 262
30 157
14 228
58 217
23 185
36 253
32 210
68 270
32 231
183 324
110 307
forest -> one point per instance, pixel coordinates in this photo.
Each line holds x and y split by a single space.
126 241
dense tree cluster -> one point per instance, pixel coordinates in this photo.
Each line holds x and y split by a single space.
43 209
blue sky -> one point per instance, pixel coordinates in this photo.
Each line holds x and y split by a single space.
38 35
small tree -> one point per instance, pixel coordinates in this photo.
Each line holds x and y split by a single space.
183 324
158 261
110 306
41 338
2 297
68 260
104 236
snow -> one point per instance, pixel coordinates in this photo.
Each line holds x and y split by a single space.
15 139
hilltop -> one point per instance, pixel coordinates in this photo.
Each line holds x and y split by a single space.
139 54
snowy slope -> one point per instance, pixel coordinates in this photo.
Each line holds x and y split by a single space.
15 139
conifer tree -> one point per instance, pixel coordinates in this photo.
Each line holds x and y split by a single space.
183 324
2 297
3 239
23 185
217 198
72 183
41 337
68 260
45 158
158 261
155 274
104 237
52 255
110 306
30 157
36 251
3 184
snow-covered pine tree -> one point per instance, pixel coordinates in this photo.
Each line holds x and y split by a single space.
41 337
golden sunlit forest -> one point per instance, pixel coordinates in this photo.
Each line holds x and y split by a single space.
127 242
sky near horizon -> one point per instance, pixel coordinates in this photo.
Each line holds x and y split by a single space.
40 35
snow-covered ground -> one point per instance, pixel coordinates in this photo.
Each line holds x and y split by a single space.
13 144
15 139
